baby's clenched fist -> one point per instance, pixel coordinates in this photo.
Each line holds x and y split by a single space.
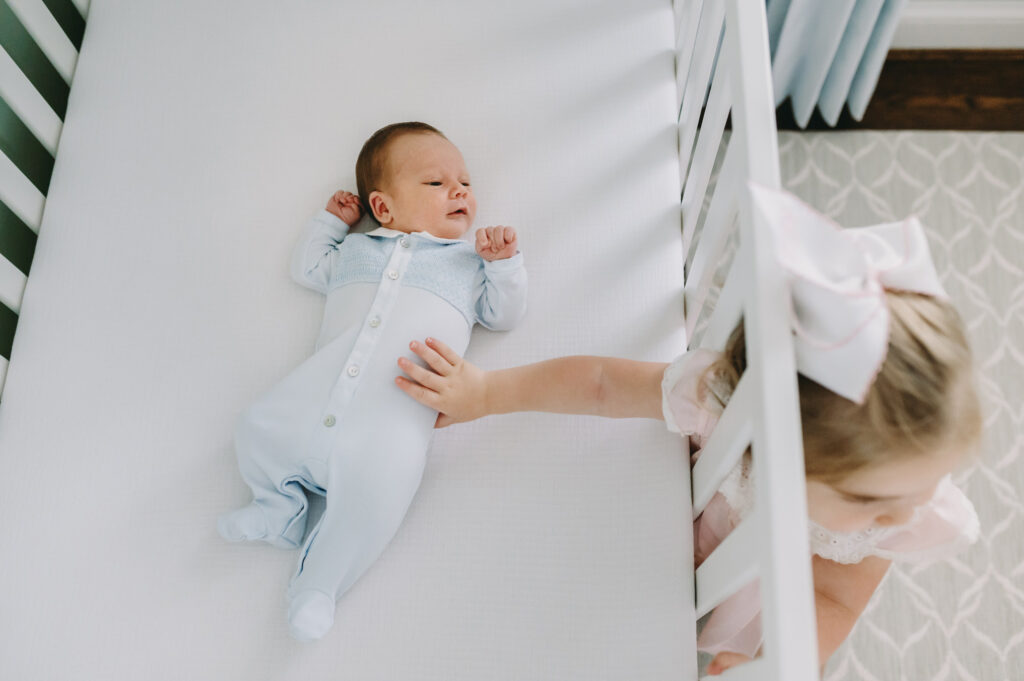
346 207
496 243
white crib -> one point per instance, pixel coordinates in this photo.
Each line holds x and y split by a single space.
198 136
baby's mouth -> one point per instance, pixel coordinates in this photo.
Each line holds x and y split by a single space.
458 213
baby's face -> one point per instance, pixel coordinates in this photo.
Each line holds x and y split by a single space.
881 495
428 189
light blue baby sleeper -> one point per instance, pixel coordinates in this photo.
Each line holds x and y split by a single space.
338 424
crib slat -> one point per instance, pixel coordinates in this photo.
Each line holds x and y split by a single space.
8 322
18 42
696 88
28 104
731 566
19 145
719 219
708 143
723 450
20 195
17 240
787 613
686 33
69 19
44 20
713 239
729 306
12 285
3 373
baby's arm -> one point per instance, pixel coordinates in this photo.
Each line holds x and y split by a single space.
602 386
310 264
500 289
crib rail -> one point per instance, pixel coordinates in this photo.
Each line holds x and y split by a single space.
39 43
723 70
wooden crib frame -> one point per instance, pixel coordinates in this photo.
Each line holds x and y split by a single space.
40 41
723 68
730 39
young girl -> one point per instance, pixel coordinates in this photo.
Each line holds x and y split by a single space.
888 410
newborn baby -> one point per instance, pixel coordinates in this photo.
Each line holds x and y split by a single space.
338 425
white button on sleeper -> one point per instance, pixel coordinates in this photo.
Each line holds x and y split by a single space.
330 420
353 370
392 274
404 241
375 322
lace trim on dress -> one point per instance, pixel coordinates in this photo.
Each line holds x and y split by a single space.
849 547
853 547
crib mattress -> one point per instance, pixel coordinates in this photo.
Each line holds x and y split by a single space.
199 138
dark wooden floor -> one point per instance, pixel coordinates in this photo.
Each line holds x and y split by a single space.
938 90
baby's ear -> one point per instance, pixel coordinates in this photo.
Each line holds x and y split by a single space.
379 207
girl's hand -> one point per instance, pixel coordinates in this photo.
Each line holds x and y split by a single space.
725 660
455 388
496 243
346 207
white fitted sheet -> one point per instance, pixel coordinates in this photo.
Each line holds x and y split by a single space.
199 138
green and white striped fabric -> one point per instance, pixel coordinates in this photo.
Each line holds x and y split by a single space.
39 43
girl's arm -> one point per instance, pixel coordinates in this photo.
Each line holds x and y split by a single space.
460 391
841 592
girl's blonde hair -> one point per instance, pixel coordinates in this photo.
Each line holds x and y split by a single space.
923 398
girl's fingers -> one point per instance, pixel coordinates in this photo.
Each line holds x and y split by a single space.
453 358
432 358
725 660
417 392
427 379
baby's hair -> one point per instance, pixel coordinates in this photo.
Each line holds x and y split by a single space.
372 163
922 400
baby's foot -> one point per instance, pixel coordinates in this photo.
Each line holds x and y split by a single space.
250 524
310 615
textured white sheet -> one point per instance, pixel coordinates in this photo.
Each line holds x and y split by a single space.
200 136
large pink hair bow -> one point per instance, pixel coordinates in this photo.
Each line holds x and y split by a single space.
838 277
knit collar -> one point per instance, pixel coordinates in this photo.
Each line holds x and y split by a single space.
389 233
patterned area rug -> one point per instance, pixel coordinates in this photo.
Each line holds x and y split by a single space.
963 618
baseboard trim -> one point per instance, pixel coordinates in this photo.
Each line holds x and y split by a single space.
947 89
961 24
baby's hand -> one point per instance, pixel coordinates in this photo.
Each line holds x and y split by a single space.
496 243
345 206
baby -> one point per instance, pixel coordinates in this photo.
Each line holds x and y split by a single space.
887 407
337 425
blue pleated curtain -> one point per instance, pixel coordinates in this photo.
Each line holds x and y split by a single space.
829 53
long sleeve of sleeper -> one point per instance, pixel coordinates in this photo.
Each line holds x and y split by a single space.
500 293
314 253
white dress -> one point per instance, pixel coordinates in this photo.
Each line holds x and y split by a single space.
939 528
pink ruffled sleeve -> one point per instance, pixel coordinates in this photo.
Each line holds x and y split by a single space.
680 397
941 528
